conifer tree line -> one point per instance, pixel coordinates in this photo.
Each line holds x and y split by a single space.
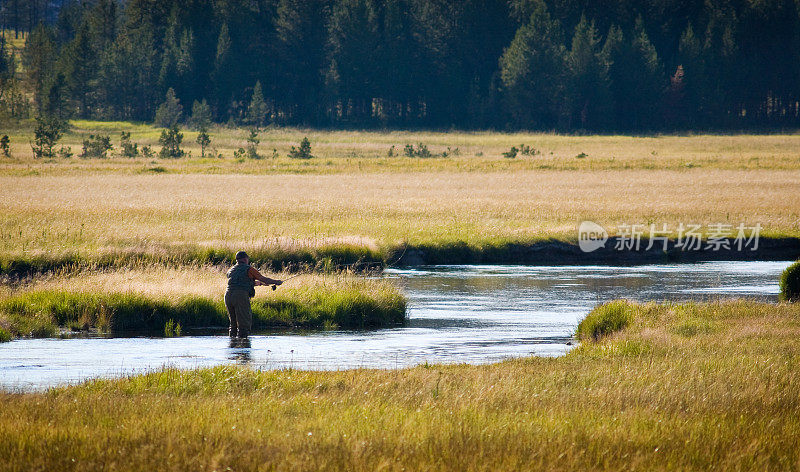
567 65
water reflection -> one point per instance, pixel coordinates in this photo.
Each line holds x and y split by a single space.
471 314
239 350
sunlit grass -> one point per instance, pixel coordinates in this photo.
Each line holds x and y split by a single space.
364 206
650 397
368 151
91 214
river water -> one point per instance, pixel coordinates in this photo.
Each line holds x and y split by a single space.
457 314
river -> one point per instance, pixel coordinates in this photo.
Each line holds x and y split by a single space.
457 314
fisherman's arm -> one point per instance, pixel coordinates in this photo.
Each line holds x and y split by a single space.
254 274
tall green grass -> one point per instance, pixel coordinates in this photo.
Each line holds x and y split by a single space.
789 283
44 313
604 320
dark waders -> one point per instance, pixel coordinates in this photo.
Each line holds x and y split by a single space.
241 317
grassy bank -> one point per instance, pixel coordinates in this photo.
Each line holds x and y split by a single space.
330 257
681 387
335 257
150 299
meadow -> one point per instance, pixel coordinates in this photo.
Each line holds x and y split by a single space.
697 386
353 203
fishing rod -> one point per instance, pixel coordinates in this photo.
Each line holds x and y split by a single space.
275 287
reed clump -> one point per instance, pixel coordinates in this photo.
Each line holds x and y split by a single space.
789 283
605 320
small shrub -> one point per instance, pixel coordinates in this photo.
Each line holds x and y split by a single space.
96 147
391 152
46 135
790 283
511 153
5 336
129 149
526 150
604 320
303 152
582 155
420 151
147 152
65 152
239 154
171 140
5 146
252 144
204 140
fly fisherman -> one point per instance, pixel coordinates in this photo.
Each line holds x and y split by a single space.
242 279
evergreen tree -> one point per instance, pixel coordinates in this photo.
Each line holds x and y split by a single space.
46 134
222 76
127 74
204 140
648 76
589 94
532 70
170 140
56 100
353 45
102 23
170 112
201 115
38 60
636 79
301 37
79 67
257 110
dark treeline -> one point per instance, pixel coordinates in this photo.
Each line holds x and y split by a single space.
595 65
21 16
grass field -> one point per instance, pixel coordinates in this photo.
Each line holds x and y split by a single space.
148 299
352 198
368 151
683 387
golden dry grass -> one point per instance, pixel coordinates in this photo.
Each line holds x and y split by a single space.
685 387
92 213
178 282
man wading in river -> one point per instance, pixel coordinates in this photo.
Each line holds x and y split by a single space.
242 279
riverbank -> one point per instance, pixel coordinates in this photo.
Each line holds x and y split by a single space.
333 257
693 386
157 300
